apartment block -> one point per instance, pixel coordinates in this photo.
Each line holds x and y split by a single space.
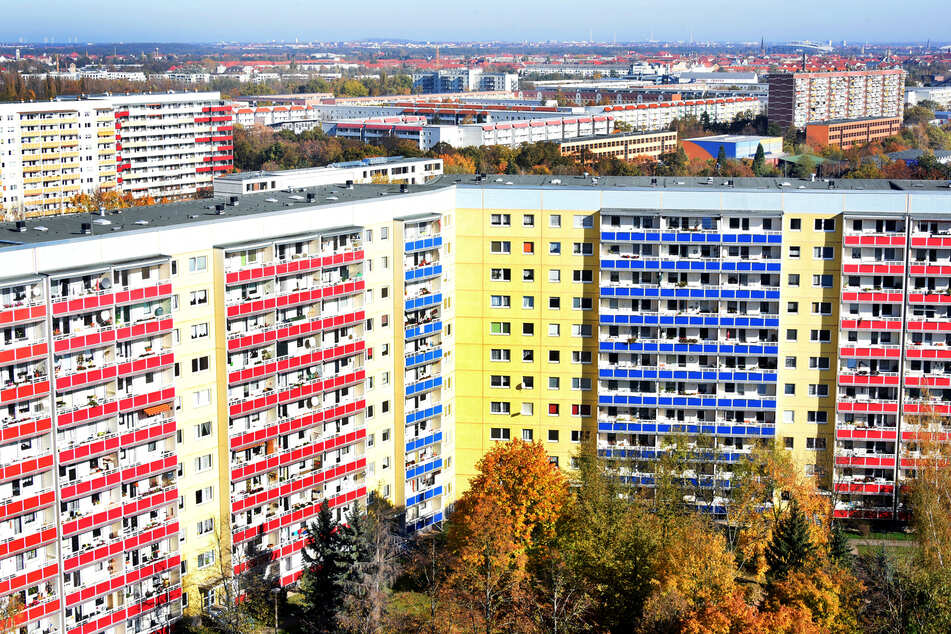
623 146
796 99
185 384
53 151
847 133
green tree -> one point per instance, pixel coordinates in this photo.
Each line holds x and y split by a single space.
721 159
805 167
839 549
791 547
323 557
759 160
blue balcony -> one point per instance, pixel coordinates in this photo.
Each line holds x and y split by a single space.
763 430
687 375
423 357
424 301
423 469
686 265
422 245
687 320
422 331
424 495
634 400
419 443
691 237
424 273
423 414
689 348
422 523
687 293
423 386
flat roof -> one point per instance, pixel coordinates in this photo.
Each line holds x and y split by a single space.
368 162
734 138
615 137
136 219
855 120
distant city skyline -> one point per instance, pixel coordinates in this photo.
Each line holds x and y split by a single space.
534 20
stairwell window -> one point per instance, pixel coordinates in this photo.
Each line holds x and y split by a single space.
501 220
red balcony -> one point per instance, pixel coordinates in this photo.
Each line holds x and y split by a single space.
251 307
141 401
864 488
150 328
31 578
27 504
929 298
873 269
28 542
867 514
943 243
299 515
90 377
927 381
868 461
916 408
871 324
875 297
877 407
930 270
253 373
929 326
868 379
252 341
87 414
23 392
137 540
27 352
295 425
865 433
159 291
921 352
117 582
28 429
259 272
289 457
251 405
105 336
35 611
874 241
873 352
26 467
146 364
84 304
13 316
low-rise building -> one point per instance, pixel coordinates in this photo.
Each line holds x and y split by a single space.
846 133
734 146
626 146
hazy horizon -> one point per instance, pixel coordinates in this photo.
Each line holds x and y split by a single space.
179 21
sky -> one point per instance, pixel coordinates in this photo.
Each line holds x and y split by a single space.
509 20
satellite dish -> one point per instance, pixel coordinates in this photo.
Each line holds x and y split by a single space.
36 291
104 315
159 311
308 344
105 283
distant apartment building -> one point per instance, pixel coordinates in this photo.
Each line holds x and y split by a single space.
172 144
53 151
463 80
396 169
625 146
796 99
658 115
938 94
847 133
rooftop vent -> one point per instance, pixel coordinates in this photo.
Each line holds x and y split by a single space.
21 226
404 188
233 201
270 200
142 222
40 228
86 228
220 209
101 221
310 197
350 184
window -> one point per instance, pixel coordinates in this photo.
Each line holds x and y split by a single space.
528 248
822 336
196 264
203 463
554 356
200 330
528 302
206 559
791 334
580 356
823 253
385 406
581 303
384 292
584 222
583 276
818 363
582 248
199 364
554 330
553 382
581 330
791 363
500 247
369 235
789 416
499 407
202 398
789 442
822 281
827 224
501 220
197 298
528 382
552 435
821 308
528 220
500 328
528 329
554 275
819 390
553 409
817 444
528 356
174 267
501 275
205 526
579 383
554 303
203 430
792 307
204 495
794 252
554 248
528 275
499 433
795 224
794 279
789 389
501 301
580 410
554 221
575 435
527 409
384 233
